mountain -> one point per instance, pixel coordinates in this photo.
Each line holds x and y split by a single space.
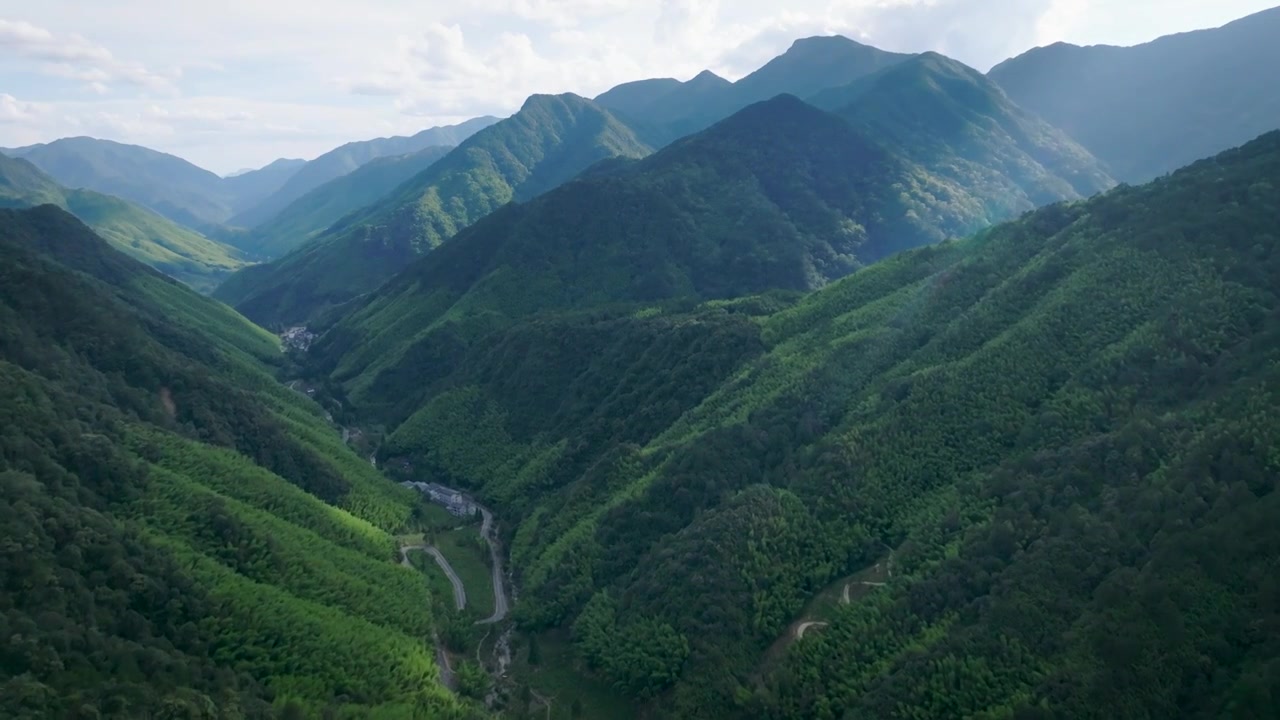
201 200
1148 109
163 183
1026 474
187 535
315 211
343 160
250 186
551 139
809 66
780 196
949 118
177 251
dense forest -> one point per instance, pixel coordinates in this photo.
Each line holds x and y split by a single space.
182 536
549 141
1056 436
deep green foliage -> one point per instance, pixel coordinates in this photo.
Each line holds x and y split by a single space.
1060 433
549 141
168 549
781 195
139 233
1149 109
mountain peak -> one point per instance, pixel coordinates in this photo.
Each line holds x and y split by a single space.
545 100
706 77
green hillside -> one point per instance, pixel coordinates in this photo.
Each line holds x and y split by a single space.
1149 109
346 159
551 139
949 118
145 236
779 196
315 211
160 182
1052 442
184 536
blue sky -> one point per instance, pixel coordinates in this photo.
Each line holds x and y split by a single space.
241 82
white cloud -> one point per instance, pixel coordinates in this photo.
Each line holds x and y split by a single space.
74 57
13 110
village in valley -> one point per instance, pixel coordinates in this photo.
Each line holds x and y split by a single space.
452 500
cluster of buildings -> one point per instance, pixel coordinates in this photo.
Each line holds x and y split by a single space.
452 500
297 338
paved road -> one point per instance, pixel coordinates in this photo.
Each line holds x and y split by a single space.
800 631
499 580
459 592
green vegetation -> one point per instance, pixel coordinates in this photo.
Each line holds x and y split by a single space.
781 195
1150 109
551 139
549 666
184 537
346 159
468 554
314 212
1064 426
149 238
162 183
949 118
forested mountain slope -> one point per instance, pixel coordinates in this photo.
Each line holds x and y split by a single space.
1149 109
950 118
551 140
779 196
163 183
665 110
314 212
177 251
346 159
1059 435
182 536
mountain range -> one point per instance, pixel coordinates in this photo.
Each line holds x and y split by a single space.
550 140
180 252
319 208
345 159
666 109
201 200
974 159
1149 109
856 388
1003 451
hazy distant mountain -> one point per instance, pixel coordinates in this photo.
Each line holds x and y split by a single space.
1149 109
315 211
251 186
549 141
134 230
164 183
951 119
665 111
344 159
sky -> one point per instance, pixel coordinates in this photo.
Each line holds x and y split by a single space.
238 83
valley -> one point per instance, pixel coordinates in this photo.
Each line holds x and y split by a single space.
831 382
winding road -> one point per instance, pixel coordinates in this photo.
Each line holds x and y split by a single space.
459 592
487 532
